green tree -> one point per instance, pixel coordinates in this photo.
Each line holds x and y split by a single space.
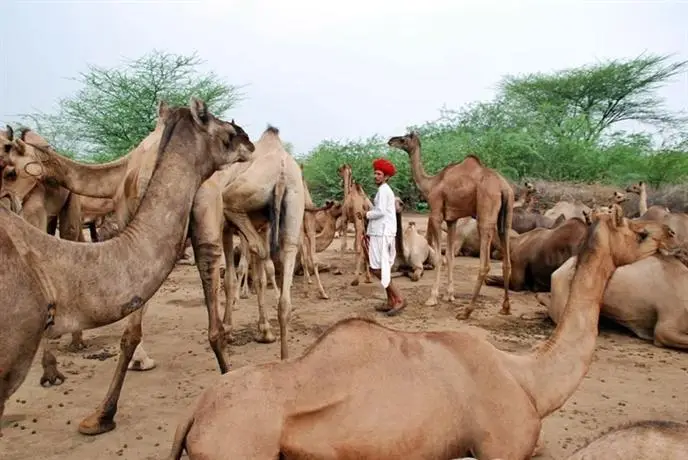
116 107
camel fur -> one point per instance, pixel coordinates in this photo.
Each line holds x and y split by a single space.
360 380
465 189
47 289
646 440
647 297
536 254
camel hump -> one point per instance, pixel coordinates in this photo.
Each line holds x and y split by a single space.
272 130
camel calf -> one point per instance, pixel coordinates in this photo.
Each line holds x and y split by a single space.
417 251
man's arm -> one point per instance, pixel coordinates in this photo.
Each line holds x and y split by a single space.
378 212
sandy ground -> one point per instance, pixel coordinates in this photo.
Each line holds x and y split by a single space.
629 379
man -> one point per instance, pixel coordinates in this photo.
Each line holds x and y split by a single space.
381 232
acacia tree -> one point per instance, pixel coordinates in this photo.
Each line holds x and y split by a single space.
584 102
115 109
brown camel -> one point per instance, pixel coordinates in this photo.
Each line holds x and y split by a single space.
355 201
646 440
326 224
461 190
647 297
359 381
536 254
44 278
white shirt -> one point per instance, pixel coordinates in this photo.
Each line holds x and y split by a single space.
382 219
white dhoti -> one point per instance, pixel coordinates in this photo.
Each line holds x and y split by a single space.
381 254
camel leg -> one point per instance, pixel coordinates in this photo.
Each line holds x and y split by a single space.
342 246
254 240
260 282
51 376
102 419
451 236
92 231
270 272
435 226
313 261
232 283
505 242
671 334
485 232
242 269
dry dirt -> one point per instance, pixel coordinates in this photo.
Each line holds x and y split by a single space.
629 379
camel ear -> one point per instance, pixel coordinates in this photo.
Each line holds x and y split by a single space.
199 112
20 147
163 108
641 183
10 133
586 217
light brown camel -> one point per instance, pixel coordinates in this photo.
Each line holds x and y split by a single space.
278 199
417 251
536 254
359 382
461 190
326 225
646 440
654 212
44 279
525 217
568 209
648 297
355 201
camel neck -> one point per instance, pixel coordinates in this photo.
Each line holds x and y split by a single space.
420 177
559 364
642 202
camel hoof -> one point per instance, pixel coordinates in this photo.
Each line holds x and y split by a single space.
145 364
94 424
76 346
354 283
52 377
323 296
266 336
464 315
337 271
505 312
368 281
243 295
431 302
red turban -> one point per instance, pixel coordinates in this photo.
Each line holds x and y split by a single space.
385 166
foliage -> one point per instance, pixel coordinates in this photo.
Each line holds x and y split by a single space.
115 109
562 126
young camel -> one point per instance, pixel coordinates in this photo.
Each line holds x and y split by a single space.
330 403
647 297
355 201
647 440
461 190
44 278
654 212
417 251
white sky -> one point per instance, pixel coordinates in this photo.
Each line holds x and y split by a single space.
328 69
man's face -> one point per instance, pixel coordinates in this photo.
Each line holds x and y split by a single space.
379 177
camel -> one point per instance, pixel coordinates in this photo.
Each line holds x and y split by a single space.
44 279
417 251
536 254
461 190
359 381
654 212
568 209
658 313
525 217
646 439
355 201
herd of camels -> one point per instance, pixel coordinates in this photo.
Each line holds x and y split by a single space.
351 393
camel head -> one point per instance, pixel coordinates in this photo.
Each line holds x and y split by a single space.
635 188
619 197
226 141
626 240
344 171
407 143
334 208
530 187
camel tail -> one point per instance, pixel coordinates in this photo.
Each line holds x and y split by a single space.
179 443
275 211
503 217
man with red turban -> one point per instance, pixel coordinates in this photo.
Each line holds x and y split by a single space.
381 232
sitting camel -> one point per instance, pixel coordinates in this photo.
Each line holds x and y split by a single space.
646 440
417 251
648 297
536 254
355 201
568 209
360 380
460 190
43 278
525 217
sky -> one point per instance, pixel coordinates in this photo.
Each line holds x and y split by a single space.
333 69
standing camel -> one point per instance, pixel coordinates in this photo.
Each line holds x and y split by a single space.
360 381
355 200
46 288
462 190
